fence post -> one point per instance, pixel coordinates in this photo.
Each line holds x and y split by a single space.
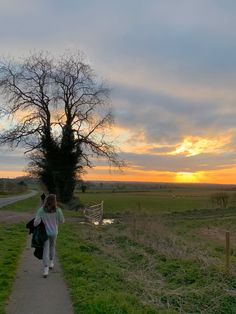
101 217
134 227
227 252
139 207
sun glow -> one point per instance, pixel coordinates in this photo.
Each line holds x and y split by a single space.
189 177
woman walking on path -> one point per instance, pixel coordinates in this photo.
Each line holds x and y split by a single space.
51 216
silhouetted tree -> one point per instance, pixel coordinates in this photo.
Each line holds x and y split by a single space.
60 113
83 188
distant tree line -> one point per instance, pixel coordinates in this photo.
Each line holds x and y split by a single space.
9 187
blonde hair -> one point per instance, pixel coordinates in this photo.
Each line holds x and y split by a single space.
50 203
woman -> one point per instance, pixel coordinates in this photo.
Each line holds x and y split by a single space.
51 216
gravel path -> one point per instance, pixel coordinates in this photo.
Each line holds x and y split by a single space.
33 294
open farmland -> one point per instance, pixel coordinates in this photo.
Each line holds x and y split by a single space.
155 201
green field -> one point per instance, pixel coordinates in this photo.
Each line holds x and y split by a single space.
153 202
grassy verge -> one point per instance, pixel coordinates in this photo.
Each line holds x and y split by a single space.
13 193
27 205
12 240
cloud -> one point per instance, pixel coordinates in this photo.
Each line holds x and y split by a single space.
192 146
171 64
22 7
167 119
12 162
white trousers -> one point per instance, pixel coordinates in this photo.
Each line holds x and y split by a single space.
49 248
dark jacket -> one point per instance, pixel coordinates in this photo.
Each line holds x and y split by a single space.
38 238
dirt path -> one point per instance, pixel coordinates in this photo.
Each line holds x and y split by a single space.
14 217
33 294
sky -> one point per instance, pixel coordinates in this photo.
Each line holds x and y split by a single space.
172 68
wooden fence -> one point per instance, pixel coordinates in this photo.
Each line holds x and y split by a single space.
94 213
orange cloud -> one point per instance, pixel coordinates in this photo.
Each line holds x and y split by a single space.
136 142
222 176
142 177
137 174
193 145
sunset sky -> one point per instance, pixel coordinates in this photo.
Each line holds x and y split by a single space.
171 65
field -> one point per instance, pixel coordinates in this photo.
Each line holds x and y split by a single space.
163 254
153 202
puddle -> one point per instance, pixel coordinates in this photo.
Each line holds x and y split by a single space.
97 223
104 222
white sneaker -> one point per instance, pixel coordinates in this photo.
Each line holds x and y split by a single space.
51 264
45 271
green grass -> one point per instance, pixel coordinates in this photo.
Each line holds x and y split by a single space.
9 194
28 205
158 255
111 269
13 193
12 240
97 283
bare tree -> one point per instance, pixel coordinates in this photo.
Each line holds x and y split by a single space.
221 199
61 114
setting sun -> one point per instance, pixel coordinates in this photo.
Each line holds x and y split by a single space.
188 177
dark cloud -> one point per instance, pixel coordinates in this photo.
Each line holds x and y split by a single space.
167 119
